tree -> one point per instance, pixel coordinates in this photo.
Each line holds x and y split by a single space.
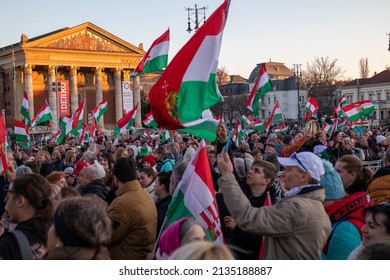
321 75
322 71
363 67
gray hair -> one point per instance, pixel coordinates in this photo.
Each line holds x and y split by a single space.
89 156
242 166
21 170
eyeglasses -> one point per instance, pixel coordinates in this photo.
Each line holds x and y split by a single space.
294 156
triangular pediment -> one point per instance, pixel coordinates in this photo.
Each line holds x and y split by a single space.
86 36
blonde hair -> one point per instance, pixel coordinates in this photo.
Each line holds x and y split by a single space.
202 250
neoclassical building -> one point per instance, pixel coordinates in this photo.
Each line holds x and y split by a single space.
90 61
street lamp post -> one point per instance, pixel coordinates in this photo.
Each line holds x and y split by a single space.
298 74
388 34
57 103
196 11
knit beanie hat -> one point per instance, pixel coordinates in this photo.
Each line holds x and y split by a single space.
331 181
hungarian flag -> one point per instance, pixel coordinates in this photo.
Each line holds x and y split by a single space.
194 197
267 202
262 86
188 85
156 58
93 129
126 122
245 120
167 135
78 118
327 128
359 125
281 129
100 110
257 125
276 115
3 145
149 121
43 115
59 136
81 134
357 110
310 109
338 111
239 133
342 101
25 110
21 132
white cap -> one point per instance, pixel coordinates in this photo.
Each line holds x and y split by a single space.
307 162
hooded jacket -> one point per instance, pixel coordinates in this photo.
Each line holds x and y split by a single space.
96 187
379 188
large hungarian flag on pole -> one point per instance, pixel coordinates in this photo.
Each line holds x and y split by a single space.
126 122
188 85
262 86
194 197
99 110
357 110
43 115
156 58
25 110
21 132
310 109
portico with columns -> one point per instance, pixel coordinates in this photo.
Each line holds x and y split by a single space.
92 60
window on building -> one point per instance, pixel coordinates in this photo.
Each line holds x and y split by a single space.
269 100
361 97
371 96
388 96
374 115
274 99
388 114
379 95
382 115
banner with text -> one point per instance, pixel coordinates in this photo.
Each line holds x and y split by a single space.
63 98
127 90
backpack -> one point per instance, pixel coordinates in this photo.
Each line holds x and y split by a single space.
24 246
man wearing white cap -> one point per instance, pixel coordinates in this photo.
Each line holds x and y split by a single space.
297 227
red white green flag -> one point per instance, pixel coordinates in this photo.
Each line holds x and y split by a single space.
21 132
149 121
357 110
82 134
78 118
276 115
3 145
281 129
194 197
25 110
43 115
99 110
342 101
257 125
327 128
167 135
156 58
359 125
245 120
93 129
126 122
310 109
239 133
188 87
262 86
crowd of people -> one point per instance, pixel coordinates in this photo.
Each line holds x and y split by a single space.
108 199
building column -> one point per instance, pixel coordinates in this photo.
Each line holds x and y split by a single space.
28 87
99 91
118 94
74 96
52 97
137 100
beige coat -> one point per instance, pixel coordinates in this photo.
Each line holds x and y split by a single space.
296 228
134 223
